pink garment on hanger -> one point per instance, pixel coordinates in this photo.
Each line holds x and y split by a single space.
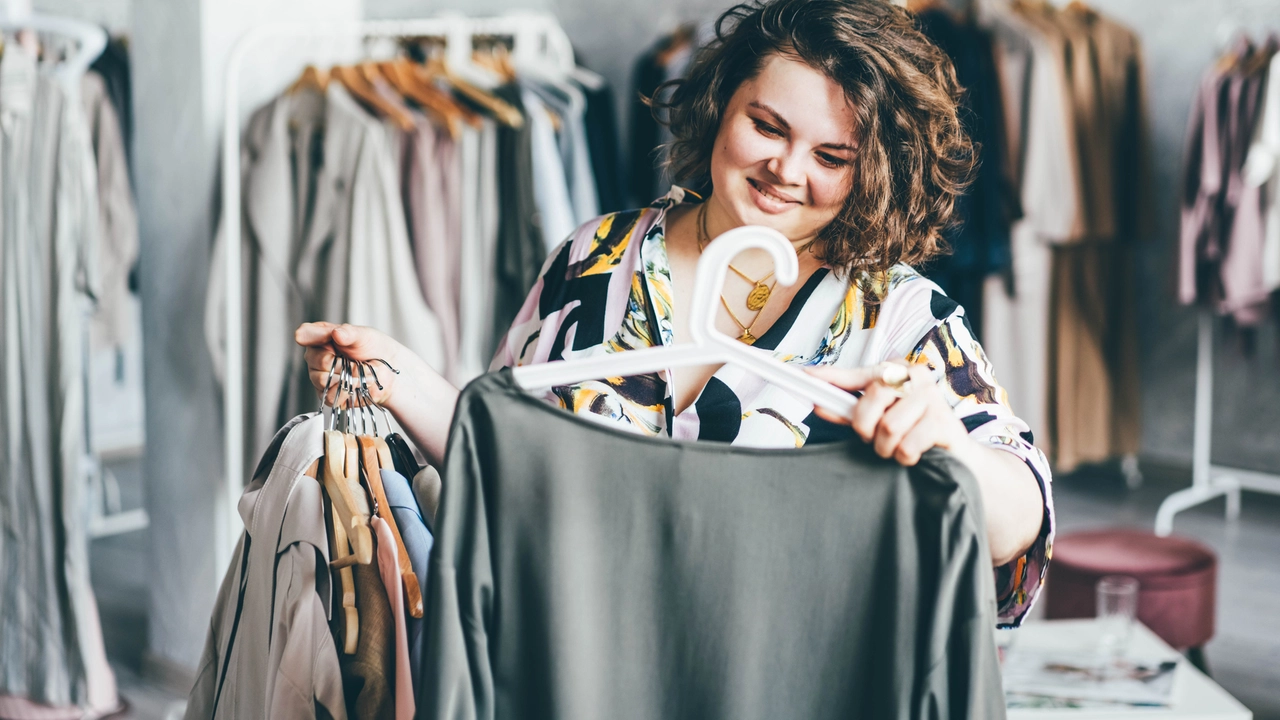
390 571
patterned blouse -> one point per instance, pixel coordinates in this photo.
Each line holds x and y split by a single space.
607 289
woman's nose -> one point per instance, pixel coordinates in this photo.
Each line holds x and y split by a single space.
786 168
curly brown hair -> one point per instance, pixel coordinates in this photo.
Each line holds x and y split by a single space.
913 158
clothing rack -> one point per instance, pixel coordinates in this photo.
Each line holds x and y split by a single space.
535 36
90 40
1209 481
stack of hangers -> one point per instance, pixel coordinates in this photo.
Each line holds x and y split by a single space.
332 493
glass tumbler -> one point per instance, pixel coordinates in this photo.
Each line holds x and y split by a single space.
1117 605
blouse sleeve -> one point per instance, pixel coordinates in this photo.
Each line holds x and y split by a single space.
967 379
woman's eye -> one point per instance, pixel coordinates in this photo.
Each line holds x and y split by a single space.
767 129
832 161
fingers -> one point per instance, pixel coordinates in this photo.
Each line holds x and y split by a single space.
899 422
851 379
867 414
312 334
915 443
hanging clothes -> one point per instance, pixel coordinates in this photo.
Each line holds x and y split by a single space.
324 236
603 145
488 226
979 243
678 554
248 671
113 320
1262 170
1222 222
1016 309
1062 325
400 670
418 541
520 247
113 67
1244 294
556 215
51 652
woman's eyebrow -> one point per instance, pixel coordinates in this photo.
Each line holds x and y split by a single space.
782 122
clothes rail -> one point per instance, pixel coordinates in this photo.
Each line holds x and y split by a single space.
1209 481
90 41
534 36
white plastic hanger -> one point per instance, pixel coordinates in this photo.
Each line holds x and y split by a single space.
709 345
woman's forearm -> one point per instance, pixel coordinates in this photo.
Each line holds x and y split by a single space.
1011 499
423 404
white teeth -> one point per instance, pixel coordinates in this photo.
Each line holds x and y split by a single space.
768 192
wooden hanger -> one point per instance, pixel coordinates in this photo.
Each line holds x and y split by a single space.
443 109
347 579
340 550
1260 59
312 78
360 88
372 472
351 510
500 109
497 60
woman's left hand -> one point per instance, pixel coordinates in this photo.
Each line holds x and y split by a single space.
901 422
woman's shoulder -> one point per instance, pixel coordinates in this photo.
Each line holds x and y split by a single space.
903 306
905 290
613 231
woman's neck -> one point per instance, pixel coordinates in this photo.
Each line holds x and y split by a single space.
716 219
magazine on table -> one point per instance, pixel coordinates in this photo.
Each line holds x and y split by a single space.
1064 679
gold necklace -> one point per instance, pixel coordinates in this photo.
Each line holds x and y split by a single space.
759 295
746 335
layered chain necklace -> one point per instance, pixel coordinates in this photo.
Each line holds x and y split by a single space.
756 299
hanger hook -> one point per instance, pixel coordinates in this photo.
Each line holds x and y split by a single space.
339 401
328 382
713 266
363 395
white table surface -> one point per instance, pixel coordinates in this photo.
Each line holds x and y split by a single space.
1195 695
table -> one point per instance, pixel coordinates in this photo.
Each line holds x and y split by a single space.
1195 695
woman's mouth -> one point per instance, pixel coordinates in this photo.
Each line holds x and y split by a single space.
768 199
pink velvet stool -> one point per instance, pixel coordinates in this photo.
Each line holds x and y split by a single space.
1177 581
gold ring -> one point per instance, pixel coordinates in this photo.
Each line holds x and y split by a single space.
896 377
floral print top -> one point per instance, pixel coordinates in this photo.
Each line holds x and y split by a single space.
607 289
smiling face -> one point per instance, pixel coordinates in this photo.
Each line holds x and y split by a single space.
783 151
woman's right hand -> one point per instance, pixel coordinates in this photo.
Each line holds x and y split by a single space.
354 342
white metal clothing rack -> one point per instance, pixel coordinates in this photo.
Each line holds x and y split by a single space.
536 37
91 39
1209 481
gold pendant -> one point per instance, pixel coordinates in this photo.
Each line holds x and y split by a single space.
747 337
758 297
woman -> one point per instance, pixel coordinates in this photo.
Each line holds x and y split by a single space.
835 123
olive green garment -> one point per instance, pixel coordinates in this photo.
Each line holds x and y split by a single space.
585 572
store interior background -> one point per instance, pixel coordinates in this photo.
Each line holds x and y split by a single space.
164 579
